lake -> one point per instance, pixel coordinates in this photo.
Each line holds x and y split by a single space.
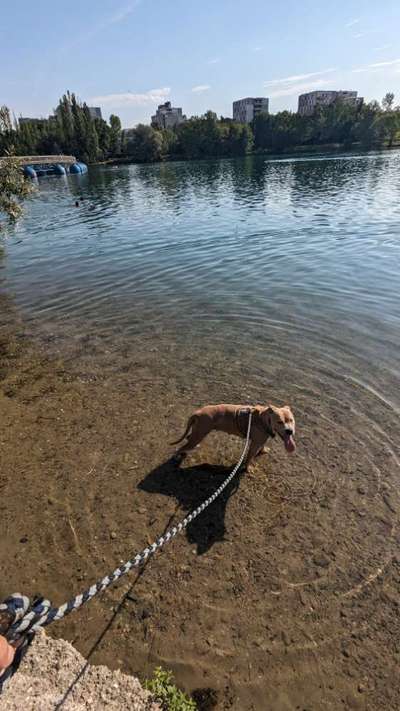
172 286
246 254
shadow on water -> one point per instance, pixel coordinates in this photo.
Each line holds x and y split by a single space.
190 486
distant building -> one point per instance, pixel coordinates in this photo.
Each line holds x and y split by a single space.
25 119
245 110
95 112
310 101
167 116
128 133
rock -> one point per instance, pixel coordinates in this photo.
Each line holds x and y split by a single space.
361 490
113 535
285 638
353 703
388 503
321 560
361 688
24 539
51 668
258 642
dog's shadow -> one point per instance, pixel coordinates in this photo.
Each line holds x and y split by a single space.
190 486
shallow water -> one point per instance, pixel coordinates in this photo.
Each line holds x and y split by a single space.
179 284
264 258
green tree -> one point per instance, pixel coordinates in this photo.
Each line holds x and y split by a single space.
263 129
388 101
367 128
13 187
66 123
71 130
145 144
103 131
92 150
6 130
190 138
202 137
389 126
238 139
115 137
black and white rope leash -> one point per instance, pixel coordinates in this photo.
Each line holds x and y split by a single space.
20 619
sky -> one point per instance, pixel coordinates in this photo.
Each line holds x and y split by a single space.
127 57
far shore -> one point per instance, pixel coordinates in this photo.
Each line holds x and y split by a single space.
294 151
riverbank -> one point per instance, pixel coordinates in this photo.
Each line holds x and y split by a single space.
53 674
309 543
293 151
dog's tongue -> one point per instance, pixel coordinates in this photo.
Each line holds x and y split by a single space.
289 443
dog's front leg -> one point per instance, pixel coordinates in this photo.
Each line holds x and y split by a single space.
263 450
254 449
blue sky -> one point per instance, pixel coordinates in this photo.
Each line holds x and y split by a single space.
129 56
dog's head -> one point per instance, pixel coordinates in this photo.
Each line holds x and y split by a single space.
280 420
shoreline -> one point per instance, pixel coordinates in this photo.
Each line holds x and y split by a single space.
301 151
54 673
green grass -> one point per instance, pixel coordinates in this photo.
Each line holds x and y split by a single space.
167 694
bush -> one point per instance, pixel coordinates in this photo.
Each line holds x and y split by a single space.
167 694
14 188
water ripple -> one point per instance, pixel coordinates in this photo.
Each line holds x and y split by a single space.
305 247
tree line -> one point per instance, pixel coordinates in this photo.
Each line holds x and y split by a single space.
73 131
368 125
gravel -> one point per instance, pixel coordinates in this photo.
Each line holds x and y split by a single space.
50 667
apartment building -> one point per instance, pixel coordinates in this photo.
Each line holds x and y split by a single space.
167 116
245 110
310 101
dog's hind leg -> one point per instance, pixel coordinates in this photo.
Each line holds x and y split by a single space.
193 440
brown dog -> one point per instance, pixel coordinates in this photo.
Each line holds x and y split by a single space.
233 419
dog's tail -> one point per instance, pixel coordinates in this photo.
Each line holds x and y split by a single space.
188 426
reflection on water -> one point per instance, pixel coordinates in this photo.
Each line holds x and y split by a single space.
294 261
179 284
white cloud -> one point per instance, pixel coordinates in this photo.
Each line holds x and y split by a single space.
91 31
214 60
297 83
377 65
201 87
380 49
351 23
297 77
153 96
385 64
257 49
299 88
364 34
122 13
